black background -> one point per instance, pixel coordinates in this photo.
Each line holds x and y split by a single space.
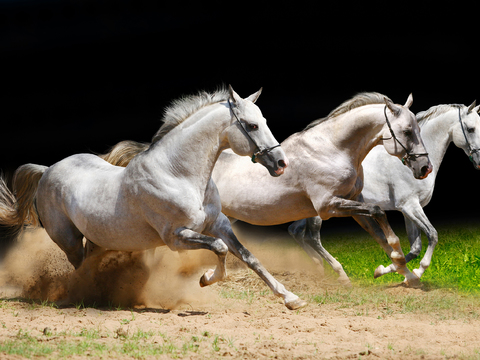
81 75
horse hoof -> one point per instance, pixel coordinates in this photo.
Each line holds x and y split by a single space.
296 304
345 282
378 271
417 273
413 282
205 279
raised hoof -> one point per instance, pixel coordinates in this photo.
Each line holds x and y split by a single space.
378 271
205 279
296 304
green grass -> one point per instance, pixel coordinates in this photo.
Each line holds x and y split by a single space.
455 262
86 343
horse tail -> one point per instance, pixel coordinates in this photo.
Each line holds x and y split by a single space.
122 153
17 208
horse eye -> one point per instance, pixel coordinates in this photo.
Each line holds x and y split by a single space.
252 126
407 132
471 130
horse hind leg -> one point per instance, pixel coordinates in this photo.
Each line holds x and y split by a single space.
307 234
69 239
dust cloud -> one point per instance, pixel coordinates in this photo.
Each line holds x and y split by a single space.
36 268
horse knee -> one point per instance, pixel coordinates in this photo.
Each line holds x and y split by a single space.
415 249
377 211
297 229
219 247
433 237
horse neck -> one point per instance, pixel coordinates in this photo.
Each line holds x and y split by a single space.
437 135
191 149
355 132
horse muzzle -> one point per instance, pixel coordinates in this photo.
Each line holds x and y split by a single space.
274 160
420 166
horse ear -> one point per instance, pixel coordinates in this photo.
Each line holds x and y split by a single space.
255 96
393 108
409 101
234 96
471 107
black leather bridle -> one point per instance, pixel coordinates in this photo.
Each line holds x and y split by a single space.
259 151
471 149
407 155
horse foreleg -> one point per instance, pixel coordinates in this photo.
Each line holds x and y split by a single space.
307 234
415 222
223 230
396 255
416 215
372 227
414 238
187 239
344 207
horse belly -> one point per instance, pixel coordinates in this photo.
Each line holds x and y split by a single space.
82 194
265 210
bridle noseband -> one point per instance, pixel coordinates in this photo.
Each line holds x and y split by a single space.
471 149
259 151
407 155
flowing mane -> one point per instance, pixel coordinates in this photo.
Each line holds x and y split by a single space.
361 99
434 111
182 108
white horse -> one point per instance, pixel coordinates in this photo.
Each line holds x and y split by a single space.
394 188
325 177
165 196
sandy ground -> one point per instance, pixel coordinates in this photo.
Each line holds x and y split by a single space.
239 318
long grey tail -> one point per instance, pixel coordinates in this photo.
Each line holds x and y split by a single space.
17 207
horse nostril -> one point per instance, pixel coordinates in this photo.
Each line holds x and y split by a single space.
425 170
281 163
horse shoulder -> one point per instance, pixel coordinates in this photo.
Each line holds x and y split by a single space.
168 199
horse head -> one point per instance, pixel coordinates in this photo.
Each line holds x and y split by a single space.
249 134
467 134
402 138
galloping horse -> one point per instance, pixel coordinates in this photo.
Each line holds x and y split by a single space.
165 196
394 188
325 177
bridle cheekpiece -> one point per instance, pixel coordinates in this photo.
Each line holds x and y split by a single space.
259 151
407 155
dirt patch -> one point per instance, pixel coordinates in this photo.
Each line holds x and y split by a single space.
155 303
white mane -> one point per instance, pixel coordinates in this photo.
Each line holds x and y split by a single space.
435 111
181 109
361 99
